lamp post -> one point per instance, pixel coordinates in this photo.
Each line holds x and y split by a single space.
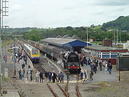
14 62
0 67
119 67
119 74
66 88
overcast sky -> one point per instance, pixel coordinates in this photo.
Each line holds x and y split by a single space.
62 13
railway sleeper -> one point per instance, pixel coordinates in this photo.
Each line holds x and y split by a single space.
77 91
52 91
64 92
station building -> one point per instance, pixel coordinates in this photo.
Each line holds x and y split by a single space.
105 53
66 43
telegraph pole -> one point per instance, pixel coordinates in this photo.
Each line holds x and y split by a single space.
0 46
87 36
3 12
120 37
117 36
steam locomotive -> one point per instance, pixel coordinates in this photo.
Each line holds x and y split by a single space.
72 62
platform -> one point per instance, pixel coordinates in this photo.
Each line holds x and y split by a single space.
11 94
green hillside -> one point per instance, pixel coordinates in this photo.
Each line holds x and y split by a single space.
108 30
121 23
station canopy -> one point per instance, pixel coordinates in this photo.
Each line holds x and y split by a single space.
66 42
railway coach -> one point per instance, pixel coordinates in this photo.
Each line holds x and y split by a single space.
32 52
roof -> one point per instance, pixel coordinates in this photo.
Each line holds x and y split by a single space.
29 47
58 40
66 42
77 43
105 49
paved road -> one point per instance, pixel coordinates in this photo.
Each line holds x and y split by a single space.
11 94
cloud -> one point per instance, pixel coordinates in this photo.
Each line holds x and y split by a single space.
112 2
56 13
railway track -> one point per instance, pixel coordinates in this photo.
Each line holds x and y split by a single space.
77 88
77 91
63 90
57 90
70 90
52 91
39 66
45 66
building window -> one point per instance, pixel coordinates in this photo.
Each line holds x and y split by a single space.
105 56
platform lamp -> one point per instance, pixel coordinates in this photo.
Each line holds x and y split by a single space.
14 63
119 67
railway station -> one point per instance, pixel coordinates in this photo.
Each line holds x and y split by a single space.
60 48
48 72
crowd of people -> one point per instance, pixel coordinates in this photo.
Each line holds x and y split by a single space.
97 64
41 76
25 73
51 76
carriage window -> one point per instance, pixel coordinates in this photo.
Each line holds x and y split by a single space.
34 51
